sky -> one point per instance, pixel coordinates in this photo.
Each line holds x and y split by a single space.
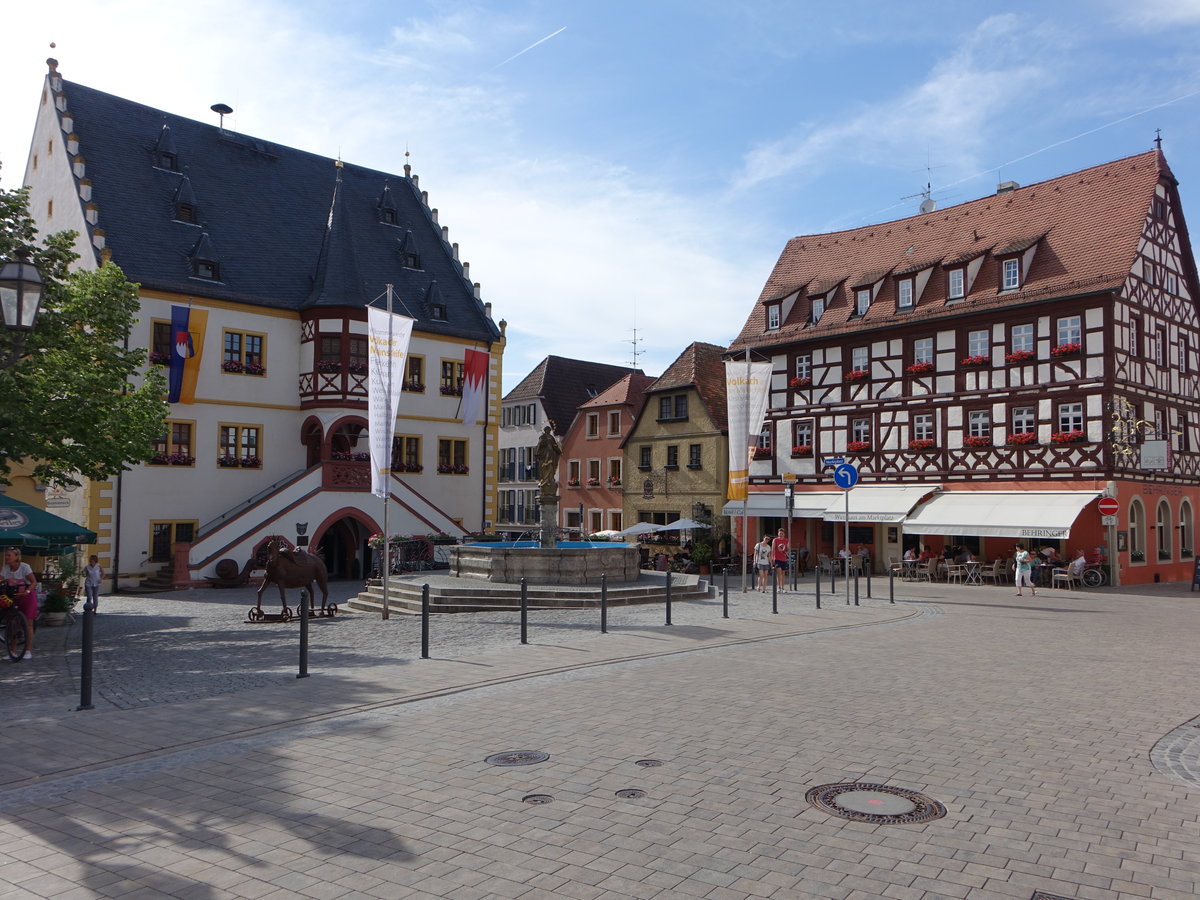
622 176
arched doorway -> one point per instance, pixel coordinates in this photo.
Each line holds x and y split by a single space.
312 436
343 546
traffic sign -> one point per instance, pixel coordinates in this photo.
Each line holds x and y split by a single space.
1108 520
789 477
831 461
845 476
1109 506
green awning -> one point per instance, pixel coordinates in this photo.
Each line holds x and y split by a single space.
30 528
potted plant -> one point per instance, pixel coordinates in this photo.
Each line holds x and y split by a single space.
702 556
55 608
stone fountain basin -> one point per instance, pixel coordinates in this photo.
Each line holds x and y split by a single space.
568 563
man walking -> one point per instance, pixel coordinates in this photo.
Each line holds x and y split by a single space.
779 552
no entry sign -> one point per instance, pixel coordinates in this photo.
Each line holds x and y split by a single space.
1109 506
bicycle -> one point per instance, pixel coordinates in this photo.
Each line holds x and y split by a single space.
15 626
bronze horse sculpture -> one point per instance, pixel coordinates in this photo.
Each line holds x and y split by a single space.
287 568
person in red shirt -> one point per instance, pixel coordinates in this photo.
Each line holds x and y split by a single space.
779 553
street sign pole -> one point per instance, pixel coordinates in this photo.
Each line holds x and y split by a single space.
846 545
845 476
1114 567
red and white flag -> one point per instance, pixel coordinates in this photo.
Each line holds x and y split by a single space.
474 389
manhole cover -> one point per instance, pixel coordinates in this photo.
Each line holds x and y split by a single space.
649 763
631 794
517 758
877 803
536 799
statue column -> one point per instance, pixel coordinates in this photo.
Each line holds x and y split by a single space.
549 526
547 454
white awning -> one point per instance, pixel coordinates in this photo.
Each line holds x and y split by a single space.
878 503
1018 514
806 505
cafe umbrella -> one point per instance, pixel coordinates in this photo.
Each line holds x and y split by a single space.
29 528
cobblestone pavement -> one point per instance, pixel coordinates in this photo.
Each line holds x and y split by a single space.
1054 731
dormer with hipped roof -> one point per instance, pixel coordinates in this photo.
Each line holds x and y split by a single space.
166 156
184 203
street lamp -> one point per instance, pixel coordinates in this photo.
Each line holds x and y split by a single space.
301 534
20 295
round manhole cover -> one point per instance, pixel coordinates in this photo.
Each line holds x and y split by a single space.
649 763
517 758
536 799
631 794
876 803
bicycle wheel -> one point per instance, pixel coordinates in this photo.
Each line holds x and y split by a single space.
1093 577
16 634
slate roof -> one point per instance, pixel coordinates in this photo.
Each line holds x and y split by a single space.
289 229
700 366
1087 226
563 385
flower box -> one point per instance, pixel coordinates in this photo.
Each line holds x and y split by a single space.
969 362
451 391
919 368
181 459
922 444
343 456
158 358
1021 438
328 366
801 450
571 482
975 440
1068 437
1137 556
227 462
762 453
800 382
232 365
1164 554
255 369
858 446
444 469
1020 356
855 375
614 482
593 482
357 368
409 467
250 462
1185 553
1065 349
415 386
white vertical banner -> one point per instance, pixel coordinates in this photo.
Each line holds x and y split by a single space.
747 390
388 335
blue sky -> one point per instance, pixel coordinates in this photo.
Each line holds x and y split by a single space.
606 166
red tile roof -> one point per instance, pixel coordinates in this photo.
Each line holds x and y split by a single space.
1087 226
628 391
699 366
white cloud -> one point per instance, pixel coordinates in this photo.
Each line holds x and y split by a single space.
1157 15
993 69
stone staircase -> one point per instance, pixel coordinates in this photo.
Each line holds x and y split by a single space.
451 594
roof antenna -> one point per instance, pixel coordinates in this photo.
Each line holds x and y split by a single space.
1158 139
635 340
221 109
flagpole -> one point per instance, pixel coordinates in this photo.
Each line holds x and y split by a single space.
745 427
387 493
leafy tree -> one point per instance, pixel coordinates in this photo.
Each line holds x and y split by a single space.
79 403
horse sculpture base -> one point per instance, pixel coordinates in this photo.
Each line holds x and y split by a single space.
257 617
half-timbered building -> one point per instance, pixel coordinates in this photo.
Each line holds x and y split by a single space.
991 369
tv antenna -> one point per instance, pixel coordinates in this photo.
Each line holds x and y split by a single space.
635 340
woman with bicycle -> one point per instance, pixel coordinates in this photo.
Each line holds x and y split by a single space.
19 577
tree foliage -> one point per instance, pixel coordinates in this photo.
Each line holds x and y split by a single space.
79 403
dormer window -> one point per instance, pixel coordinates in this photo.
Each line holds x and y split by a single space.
409 257
1010 274
387 216
773 317
206 269
904 293
438 311
185 212
168 161
862 301
956 284
818 309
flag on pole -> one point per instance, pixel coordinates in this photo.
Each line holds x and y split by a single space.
388 335
747 389
475 372
187 346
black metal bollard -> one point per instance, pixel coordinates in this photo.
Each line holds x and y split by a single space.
869 581
856 588
85 665
668 622
524 611
891 585
817 577
425 621
833 578
303 634
725 594
774 595
604 603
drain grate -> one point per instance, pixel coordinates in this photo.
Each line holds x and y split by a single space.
536 799
877 803
631 794
517 758
649 763
1042 895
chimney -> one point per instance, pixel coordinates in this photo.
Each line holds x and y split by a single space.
1006 187
487 310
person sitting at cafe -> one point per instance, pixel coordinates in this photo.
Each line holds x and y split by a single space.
910 554
1078 563
1096 557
